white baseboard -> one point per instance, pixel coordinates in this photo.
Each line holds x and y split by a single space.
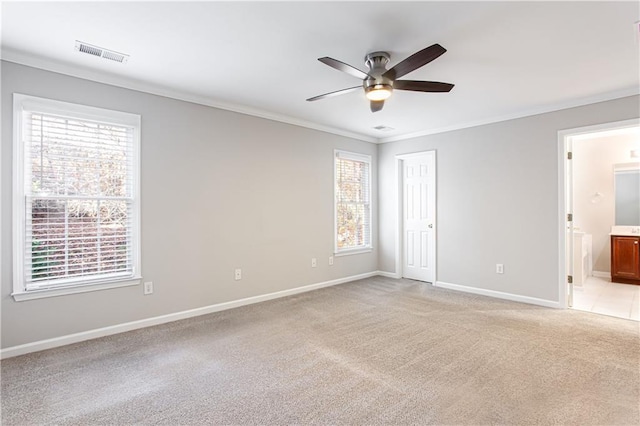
601 274
148 322
388 274
500 295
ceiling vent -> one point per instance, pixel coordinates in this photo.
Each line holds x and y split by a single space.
384 128
101 52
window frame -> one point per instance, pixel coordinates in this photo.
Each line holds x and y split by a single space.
19 207
368 247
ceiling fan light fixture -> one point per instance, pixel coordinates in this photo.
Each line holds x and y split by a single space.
378 92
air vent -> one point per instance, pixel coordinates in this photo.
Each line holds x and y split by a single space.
90 50
100 52
118 57
384 128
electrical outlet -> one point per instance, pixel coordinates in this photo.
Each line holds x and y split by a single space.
499 268
330 260
148 288
238 274
314 262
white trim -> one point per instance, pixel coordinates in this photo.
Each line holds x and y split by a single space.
609 96
499 295
601 274
162 319
50 106
398 209
564 137
17 209
84 112
10 55
62 291
603 127
399 158
412 155
364 158
349 252
353 156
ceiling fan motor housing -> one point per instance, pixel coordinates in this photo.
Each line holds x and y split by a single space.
377 64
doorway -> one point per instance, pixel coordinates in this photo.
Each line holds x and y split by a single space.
588 158
416 254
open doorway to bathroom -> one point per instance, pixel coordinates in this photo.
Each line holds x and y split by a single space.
602 194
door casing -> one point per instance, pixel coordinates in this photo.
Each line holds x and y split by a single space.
565 189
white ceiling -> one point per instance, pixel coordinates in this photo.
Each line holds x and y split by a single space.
507 59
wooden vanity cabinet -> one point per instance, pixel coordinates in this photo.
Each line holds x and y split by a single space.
625 259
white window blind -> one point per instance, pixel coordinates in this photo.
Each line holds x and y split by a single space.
353 201
79 199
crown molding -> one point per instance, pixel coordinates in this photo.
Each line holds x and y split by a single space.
631 91
23 58
11 55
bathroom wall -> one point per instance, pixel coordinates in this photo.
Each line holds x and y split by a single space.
594 157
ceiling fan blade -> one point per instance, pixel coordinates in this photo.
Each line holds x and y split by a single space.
376 105
422 86
415 61
336 93
341 66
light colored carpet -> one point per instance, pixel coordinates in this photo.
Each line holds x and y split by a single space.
376 351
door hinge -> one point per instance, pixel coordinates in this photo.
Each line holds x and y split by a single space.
570 217
569 155
570 279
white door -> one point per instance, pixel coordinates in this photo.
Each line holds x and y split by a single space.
418 212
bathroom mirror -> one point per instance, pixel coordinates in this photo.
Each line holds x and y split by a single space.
627 190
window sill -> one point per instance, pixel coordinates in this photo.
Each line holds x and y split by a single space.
20 296
354 251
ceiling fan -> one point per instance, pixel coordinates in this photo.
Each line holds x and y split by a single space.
380 82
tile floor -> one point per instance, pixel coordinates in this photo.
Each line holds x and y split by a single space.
601 296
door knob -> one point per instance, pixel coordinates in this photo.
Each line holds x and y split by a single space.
431 226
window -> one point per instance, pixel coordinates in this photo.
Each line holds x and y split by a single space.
353 202
76 198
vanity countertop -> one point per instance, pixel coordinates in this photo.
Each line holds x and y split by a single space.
625 231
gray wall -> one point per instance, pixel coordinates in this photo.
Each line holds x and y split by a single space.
497 192
220 191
